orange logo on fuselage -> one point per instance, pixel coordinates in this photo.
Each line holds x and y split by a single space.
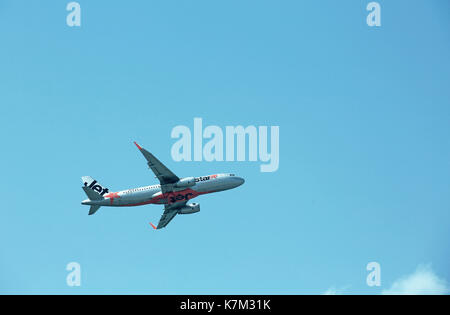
112 196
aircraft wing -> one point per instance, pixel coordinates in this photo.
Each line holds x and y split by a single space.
165 176
170 211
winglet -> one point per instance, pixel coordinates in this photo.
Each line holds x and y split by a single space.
138 146
152 225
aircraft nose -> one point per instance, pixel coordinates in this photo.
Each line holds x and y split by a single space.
240 180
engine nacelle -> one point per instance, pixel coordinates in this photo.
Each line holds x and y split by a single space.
185 182
190 208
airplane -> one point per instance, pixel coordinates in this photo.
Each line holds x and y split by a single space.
172 192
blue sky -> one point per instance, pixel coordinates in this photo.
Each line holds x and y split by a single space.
364 143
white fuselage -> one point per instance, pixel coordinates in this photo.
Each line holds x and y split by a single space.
153 194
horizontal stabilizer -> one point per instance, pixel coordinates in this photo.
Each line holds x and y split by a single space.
93 209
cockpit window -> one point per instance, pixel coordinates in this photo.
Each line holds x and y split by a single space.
232 175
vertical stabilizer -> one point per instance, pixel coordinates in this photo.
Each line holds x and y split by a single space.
93 189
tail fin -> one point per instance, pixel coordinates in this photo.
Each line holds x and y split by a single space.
92 195
93 189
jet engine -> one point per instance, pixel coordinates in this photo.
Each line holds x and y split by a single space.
190 208
185 182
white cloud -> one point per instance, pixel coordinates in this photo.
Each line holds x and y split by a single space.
422 281
334 291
